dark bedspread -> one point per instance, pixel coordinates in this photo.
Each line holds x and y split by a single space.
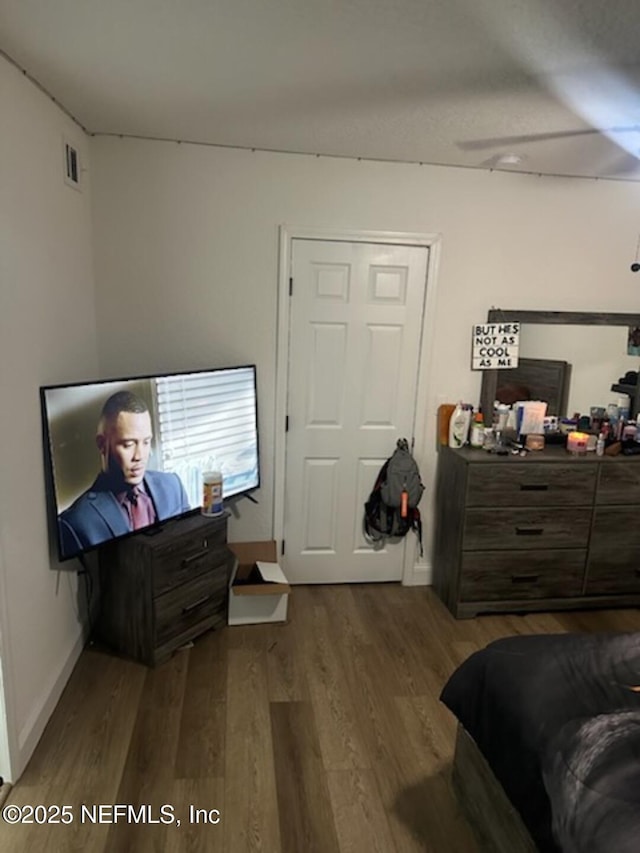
558 719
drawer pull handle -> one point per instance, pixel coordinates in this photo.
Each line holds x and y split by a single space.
529 531
195 605
533 487
194 557
524 578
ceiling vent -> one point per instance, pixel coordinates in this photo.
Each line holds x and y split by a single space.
71 165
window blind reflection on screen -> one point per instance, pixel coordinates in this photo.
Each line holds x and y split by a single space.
206 421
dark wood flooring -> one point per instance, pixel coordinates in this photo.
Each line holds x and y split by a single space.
322 735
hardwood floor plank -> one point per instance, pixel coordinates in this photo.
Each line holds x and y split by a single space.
336 720
200 751
402 675
429 818
81 755
339 601
287 667
359 814
147 778
306 816
98 706
251 808
195 801
461 650
430 728
324 733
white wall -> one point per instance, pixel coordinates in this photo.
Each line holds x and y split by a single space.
186 256
186 249
47 335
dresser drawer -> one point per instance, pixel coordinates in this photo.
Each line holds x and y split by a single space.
518 576
615 527
187 556
179 609
619 482
613 571
513 484
536 528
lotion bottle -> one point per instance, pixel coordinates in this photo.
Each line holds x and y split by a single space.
477 430
459 426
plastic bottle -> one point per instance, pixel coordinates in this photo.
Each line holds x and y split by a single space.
477 430
212 504
503 416
459 425
623 406
600 445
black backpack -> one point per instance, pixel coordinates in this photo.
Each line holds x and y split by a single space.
391 510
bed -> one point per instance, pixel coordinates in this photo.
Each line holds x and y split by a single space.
548 747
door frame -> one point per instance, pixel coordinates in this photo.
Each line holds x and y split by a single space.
416 572
8 739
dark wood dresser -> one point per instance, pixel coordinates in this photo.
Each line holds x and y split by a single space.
161 590
547 531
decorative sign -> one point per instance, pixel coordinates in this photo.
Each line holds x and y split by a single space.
495 345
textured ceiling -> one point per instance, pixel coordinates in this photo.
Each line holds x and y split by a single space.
458 82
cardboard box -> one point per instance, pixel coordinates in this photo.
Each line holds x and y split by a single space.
258 590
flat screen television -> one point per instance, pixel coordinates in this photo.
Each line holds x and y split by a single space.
129 454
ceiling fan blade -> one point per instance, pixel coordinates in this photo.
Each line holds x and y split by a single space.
498 161
492 142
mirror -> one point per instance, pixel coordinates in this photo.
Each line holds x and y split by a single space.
576 357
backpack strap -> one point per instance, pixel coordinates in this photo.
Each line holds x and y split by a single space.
417 526
382 476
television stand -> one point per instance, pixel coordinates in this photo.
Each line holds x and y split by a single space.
159 592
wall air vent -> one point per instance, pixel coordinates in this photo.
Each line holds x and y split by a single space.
71 165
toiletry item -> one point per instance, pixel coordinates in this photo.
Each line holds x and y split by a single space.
489 439
567 425
600 445
459 426
477 431
596 415
623 407
503 416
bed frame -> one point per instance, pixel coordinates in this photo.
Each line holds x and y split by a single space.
495 822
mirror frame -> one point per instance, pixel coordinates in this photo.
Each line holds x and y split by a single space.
561 318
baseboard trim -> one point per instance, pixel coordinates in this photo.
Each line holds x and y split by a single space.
33 729
420 576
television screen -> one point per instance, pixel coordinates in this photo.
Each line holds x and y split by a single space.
128 454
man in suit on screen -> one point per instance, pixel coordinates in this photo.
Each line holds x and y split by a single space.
125 496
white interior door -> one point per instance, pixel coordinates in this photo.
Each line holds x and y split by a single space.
356 320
